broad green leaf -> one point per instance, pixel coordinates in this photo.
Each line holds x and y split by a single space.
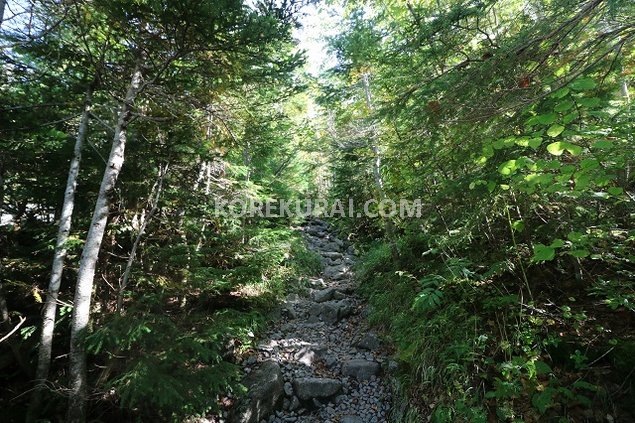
583 84
575 150
547 119
543 253
574 236
615 190
518 225
555 130
564 106
589 164
582 181
579 253
542 368
508 167
570 118
603 145
557 243
556 148
561 92
567 170
589 102
535 142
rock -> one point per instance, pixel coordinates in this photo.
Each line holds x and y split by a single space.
264 394
391 366
295 404
330 361
288 389
331 254
360 369
335 272
313 387
290 312
330 312
308 355
332 246
339 295
315 309
316 282
293 298
323 295
369 341
351 419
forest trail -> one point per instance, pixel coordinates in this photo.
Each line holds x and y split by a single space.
320 363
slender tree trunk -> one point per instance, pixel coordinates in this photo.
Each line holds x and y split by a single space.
155 204
50 305
88 262
624 89
379 182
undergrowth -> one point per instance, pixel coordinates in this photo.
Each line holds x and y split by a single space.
472 346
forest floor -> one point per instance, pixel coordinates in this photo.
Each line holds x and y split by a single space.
320 362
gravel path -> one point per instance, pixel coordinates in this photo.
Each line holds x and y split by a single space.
320 363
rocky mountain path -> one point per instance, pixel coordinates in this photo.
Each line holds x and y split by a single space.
320 363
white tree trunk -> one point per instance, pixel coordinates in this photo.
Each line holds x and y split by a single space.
88 262
379 182
50 305
153 208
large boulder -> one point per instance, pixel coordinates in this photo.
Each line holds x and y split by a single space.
331 254
323 295
369 341
333 311
265 393
336 272
307 388
360 369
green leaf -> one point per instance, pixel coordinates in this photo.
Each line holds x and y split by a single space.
557 243
508 167
543 253
542 368
574 236
579 253
556 148
564 106
555 130
535 142
582 180
589 102
615 190
583 84
547 119
603 145
589 164
575 150
518 225
543 400
570 118
561 92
